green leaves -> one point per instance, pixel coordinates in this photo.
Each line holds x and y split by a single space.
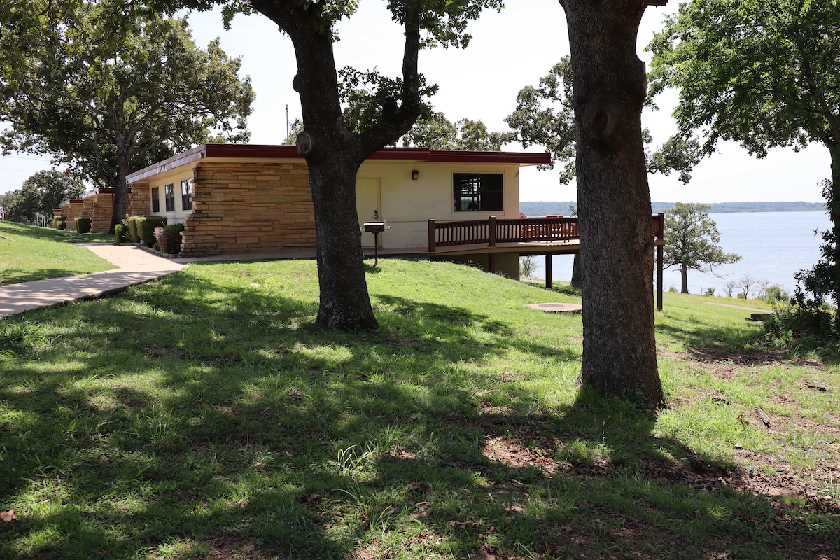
100 82
692 239
760 73
436 132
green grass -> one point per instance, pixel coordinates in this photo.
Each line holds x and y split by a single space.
204 417
31 253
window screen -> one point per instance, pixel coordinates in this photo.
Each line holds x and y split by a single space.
169 195
155 199
476 192
186 194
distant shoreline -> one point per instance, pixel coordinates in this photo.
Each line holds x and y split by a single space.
566 208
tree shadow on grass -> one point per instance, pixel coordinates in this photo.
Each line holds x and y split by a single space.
17 275
49 234
187 412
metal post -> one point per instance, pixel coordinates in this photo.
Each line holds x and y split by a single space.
549 280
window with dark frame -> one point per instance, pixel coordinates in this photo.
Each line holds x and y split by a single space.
186 194
478 192
169 195
156 199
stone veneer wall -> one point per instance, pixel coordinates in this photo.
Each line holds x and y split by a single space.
248 207
102 211
72 211
138 200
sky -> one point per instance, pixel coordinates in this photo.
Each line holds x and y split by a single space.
508 50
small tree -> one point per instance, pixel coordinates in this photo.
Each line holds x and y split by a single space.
746 283
108 87
730 288
692 241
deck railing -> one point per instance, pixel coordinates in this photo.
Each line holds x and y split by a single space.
523 230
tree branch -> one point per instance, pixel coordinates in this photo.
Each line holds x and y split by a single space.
395 124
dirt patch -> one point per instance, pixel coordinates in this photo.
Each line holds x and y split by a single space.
233 548
513 454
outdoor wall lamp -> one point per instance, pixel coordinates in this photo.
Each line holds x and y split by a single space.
415 174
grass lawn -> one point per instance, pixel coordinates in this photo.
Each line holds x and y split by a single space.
32 253
203 417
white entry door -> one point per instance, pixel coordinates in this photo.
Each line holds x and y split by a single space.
368 204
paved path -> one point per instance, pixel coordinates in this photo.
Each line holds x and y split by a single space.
132 266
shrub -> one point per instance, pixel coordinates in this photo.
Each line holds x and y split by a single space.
709 292
131 229
146 227
798 327
119 234
170 239
83 225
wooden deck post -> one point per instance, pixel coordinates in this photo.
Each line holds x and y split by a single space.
492 232
432 236
491 263
660 254
549 280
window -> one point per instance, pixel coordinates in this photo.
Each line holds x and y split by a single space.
186 194
156 199
169 195
478 192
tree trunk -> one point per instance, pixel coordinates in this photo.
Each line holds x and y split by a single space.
345 303
577 273
121 191
333 158
684 274
619 350
834 213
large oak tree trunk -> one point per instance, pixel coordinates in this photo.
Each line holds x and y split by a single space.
120 192
684 274
345 303
619 350
834 213
333 158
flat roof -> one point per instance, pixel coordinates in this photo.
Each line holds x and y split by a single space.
257 151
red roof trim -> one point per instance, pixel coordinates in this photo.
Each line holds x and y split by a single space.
387 154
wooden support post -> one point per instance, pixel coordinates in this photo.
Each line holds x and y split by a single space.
549 280
491 263
492 231
432 241
660 251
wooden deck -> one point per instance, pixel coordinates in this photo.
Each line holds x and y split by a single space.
549 235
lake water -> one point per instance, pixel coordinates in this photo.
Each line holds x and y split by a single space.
773 247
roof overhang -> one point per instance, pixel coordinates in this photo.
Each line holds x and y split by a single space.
257 151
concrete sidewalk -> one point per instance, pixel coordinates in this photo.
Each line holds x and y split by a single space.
132 266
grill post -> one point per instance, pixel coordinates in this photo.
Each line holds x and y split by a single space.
432 241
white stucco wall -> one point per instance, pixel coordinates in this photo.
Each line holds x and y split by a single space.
407 205
179 215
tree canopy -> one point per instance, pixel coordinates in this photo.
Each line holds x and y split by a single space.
764 74
108 88
434 131
692 241
761 73
544 116
41 193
